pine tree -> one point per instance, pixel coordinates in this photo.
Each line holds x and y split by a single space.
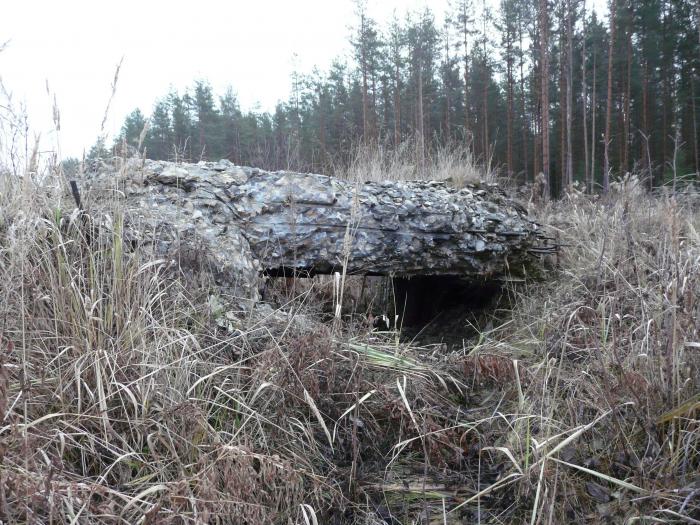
230 126
131 131
182 126
159 139
207 121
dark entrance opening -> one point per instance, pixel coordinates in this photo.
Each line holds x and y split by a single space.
443 306
438 308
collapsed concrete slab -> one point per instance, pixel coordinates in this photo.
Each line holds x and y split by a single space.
242 222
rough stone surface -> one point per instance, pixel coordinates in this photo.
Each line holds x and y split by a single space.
241 221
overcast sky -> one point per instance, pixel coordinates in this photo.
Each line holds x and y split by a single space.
76 44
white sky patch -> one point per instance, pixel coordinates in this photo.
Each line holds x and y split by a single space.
74 45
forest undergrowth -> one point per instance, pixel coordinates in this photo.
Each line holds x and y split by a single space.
124 398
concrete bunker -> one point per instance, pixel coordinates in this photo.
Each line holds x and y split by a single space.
445 246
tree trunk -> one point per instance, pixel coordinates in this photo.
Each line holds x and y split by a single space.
465 34
485 103
420 117
584 97
593 115
645 124
695 123
562 110
628 96
537 142
695 120
448 102
666 94
569 101
397 104
373 117
365 94
322 128
544 92
485 94
523 115
509 125
386 104
608 111
621 128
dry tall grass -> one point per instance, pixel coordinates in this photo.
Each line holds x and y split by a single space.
454 163
124 398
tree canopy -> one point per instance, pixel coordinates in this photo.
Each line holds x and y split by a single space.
620 93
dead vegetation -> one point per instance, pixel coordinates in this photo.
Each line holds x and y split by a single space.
128 395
